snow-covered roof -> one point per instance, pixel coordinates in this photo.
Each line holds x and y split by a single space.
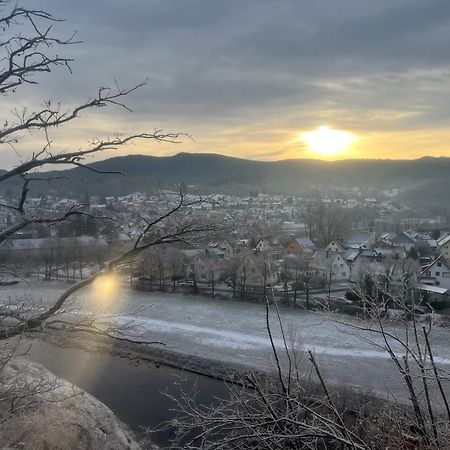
388 237
443 240
433 289
432 243
440 259
359 238
323 259
406 236
351 254
394 251
306 243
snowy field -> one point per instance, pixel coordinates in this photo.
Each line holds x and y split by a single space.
235 331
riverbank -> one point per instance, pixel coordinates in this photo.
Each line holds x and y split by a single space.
141 391
42 411
202 329
126 391
160 355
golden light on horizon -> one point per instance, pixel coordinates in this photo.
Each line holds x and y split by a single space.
327 142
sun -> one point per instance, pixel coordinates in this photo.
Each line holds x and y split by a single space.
328 142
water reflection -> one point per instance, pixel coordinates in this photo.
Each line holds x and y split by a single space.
133 391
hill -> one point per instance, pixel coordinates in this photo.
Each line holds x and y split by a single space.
218 173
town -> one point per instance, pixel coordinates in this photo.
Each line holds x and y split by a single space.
224 225
300 250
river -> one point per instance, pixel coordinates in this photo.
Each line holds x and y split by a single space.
135 392
234 332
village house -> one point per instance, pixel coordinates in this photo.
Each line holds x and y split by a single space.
267 244
263 245
368 262
387 237
351 254
301 245
330 265
405 239
215 251
390 250
336 246
437 273
222 248
444 246
359 239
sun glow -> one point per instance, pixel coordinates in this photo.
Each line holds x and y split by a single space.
106 289
327 142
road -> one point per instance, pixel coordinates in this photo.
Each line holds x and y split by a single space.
235 331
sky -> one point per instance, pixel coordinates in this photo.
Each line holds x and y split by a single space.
251 78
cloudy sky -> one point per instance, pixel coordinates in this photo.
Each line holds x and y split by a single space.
248 77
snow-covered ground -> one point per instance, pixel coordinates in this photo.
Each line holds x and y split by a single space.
234 331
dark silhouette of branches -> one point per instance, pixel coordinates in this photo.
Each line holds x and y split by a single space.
289 409
26 55
28 47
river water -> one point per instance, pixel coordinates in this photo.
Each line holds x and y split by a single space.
349 350
135 392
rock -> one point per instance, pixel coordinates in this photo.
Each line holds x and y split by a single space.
56 415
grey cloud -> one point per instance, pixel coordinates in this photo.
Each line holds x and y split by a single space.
413 33
231 62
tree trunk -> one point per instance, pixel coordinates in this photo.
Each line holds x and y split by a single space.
307 294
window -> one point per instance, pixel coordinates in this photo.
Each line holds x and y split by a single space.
439 264
446 274
437 283
428 273
438 274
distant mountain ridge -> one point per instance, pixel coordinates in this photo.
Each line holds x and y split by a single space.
219 173
206 168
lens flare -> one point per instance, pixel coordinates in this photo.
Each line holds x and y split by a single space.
106 290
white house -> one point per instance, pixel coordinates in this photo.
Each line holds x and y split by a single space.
330 265
444 246
222 248
263 245
437 273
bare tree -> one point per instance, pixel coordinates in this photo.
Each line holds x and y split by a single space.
325 221
292 408
23 56
295 268
213 270
231 271
295 408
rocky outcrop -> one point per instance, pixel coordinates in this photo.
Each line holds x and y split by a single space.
54 414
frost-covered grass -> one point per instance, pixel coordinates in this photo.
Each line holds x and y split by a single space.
235 331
